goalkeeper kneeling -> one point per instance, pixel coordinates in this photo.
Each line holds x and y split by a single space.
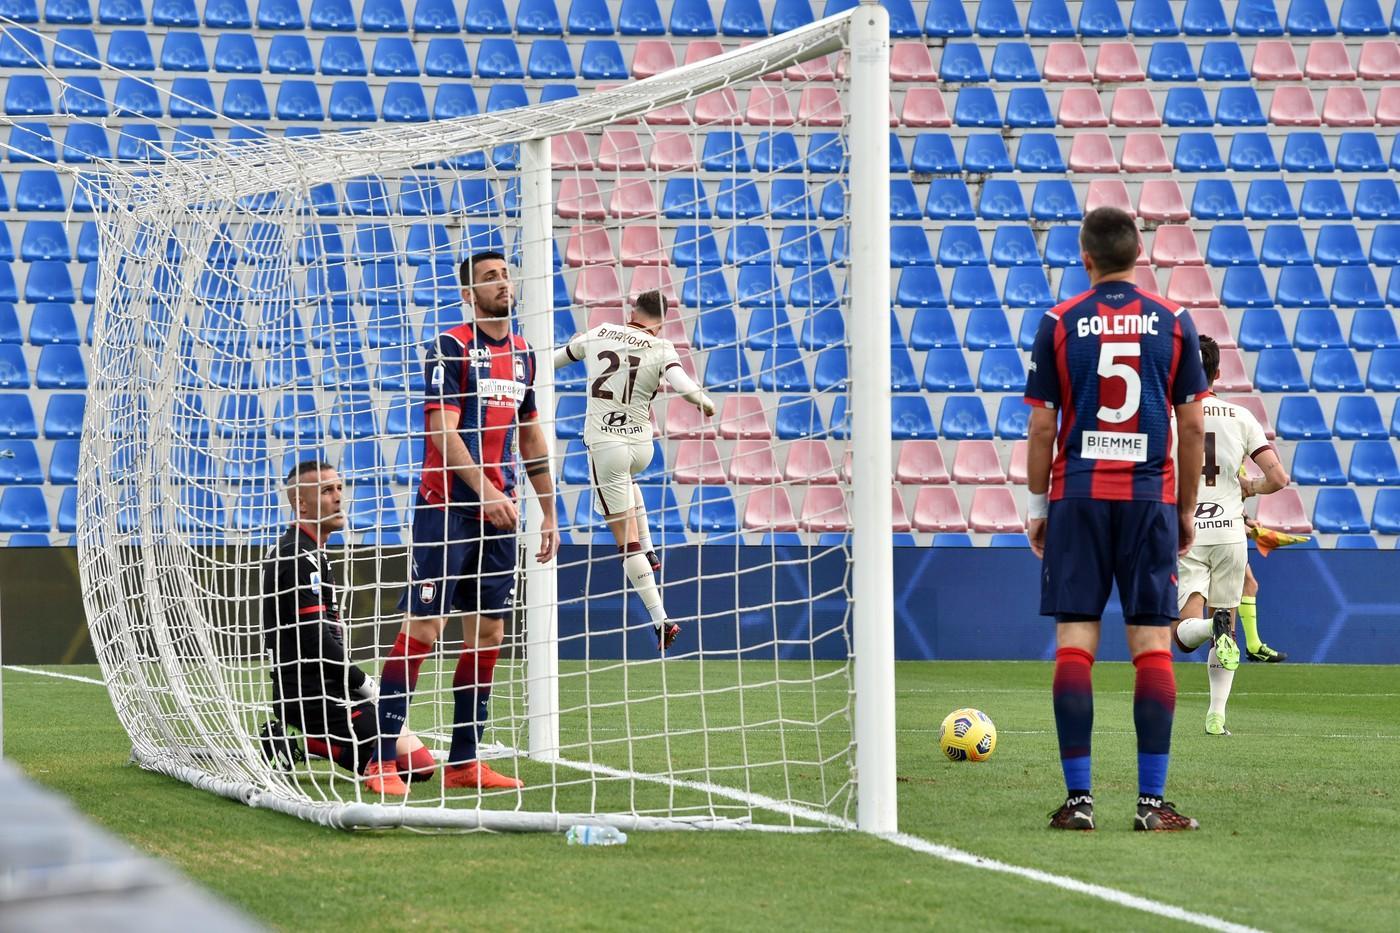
315 688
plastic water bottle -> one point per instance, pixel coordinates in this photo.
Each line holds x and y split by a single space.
586 834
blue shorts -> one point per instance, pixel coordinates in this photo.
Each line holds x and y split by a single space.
461 563
1089 544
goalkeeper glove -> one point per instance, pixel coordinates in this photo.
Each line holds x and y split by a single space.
369 690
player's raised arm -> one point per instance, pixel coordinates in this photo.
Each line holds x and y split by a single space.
570 353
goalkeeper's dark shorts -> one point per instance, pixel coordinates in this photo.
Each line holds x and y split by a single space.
348 735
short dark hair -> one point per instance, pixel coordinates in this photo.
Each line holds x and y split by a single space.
306 466
1110 237
466 272
1210 357
652 304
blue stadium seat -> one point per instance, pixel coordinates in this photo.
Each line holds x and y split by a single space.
280 14
403 102
1356 542
353 416
758 287
1062 247
455 100
1013 418
640 18
1309 18
332 16
1029 108
23 48
1299 287
1197 152
801 245
965 418
1338 245
299 100
1373 463
782 370
1204 18
394 56
130 50
20 11
715 327
52 322
590 18
1170 61
1101 19
602 61
298 418
776 152
447 58
549 59
909 246
1284 245
1037 152
9 292
1252 152
351 101
1262 329
1278 370
1257 18
712 511
1152 18
23 509
1361 18
1001 199
1385 512
237 53
742 18
63 463
1014 245
1267 199
342 56
945 370
1359 152
76 12
904 200
812 287
1239 106
136 97
962 63
1026 287
748 245
1317 329
1358 418
17 417
1230 245
945 19
1014 61
48 281
28 95
1373 329
961 245
1306 152
83 96
1300 418
831 371
14 371
32 142
1355 287
227 14
1054 199
1338 511
1049 19
823 327
788 200
60 367
245 99
933 155
1001 371
949 199
9 321
1335 370
692 18
1315 463
383 16
19 463
1323 199
933 327
193 99
727 370
1222 60
1376 199
998 19
180 13
1244 287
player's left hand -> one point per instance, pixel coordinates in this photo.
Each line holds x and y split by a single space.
1035 531
549 542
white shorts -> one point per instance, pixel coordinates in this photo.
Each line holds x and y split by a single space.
1216 571
613 465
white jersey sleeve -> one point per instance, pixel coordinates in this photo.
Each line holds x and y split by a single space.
1232 436
625 368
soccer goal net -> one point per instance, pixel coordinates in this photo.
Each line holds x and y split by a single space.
268 300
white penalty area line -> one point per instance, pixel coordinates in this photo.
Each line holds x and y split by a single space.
904 840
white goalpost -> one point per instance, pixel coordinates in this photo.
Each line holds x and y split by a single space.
266 300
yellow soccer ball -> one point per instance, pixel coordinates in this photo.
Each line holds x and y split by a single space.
967 735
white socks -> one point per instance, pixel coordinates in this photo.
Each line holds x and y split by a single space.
1194 632
639 511
1220 682
639 572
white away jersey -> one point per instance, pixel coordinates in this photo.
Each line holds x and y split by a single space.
1233 435
625 369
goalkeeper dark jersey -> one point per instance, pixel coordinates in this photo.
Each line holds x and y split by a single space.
301 623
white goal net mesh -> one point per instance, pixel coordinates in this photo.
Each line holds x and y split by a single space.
263 302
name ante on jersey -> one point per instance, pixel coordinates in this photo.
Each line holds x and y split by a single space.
1121 325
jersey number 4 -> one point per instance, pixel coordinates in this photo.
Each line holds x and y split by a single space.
600 391
1209 469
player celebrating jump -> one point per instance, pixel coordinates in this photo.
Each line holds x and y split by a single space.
1213 572
626 363
1107 370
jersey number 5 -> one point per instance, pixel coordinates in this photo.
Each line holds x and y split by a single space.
1110 368
600 391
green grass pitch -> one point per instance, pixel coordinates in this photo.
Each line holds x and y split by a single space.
1298 811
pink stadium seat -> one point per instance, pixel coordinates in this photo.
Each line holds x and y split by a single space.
910 61
1284 511
977 463
1233 377
994 509
1190 287
1145 278
654 278
671 152
612 87
1142 259
620 151
1017 471
701 49
1065 61
1328 60
924 106
631 197
768 106
1388 106
588 245
1133 106
1172 245
569 152
698 462
818 69
1380 60
1108 192
1162 201
743 418
819 105
717 108
1255 404
674 331
899 518
1081 106
1293 106
1274 61
936 509
597 285
670 115
1118 61
642 246
1346 106
809 461
752 464
684 422
1212 322
651 57
920 462
687 366
579 198
769 509
1145 152
824 509
1092 153
605 314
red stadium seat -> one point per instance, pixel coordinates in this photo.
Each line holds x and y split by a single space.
1065 61
698 462
752 464
1118 61
597 285
651 57
685 423
671 151
674 331
994 509
1108 192
579 198
924 106
819 105
1133 106
654 278
1274 61
977 463
920 462
910 61
809 461
1145 278
1380 60
620 151
1293 106
1017 471
1145 152
1081 106
701 49
1233 377
670 115
1328 60
1161 200
816 69
824 509
769 509
1190 286
768 106
642 246
605 314
588 245
631 197
717 108
1092 153
936 509
1283 511
1255 404
1173 245
569 152
1212 322
743 418
1346 106
1388 106
899 518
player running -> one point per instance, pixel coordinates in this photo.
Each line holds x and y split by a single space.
480 380
626 363
1212 573
1108 369
314 687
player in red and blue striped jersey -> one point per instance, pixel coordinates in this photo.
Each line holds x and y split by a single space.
1109 370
